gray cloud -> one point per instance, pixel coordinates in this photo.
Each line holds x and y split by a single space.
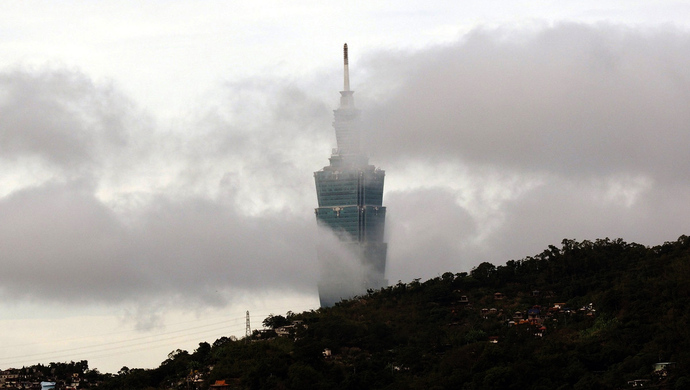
61 243
589 125
573 99
60 116
428 232
495 147
221 204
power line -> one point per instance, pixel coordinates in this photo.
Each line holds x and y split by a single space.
110 334
137 339
125 346
100 349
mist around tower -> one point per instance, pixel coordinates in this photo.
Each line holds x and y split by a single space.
342 272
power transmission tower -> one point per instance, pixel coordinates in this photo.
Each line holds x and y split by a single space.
248 332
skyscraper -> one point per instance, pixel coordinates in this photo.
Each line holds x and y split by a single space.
350 197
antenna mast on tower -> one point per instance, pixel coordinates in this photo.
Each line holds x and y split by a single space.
346 69
346 98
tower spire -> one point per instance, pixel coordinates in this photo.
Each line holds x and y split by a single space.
346 98
346 69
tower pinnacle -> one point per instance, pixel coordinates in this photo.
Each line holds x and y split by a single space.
346 98
346 68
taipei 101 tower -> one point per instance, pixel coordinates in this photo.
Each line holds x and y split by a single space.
350 196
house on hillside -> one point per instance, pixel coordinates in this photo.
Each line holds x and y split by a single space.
534 315
220 385
288 330
661 369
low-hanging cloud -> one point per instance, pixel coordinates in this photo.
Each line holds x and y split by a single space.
120 215
570 99
494 146
61 243
61 117
582 128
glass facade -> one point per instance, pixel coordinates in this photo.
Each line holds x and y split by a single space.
350 202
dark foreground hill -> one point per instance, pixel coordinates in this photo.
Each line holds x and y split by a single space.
587 315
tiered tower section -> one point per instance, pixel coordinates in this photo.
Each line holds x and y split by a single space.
350 196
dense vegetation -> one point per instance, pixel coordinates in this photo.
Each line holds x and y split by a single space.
607 312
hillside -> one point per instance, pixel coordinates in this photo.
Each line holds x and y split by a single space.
586 315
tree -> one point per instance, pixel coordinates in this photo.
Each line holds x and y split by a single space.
483 272
273 321
202 353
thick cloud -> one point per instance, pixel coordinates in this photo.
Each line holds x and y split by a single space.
216 203
495 147
572 99
571 131
61 243
61 117
427 226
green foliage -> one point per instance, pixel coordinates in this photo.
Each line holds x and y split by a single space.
623 308
275 321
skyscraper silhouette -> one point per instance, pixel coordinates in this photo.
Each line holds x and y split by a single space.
350 197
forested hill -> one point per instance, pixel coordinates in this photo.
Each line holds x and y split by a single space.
587 315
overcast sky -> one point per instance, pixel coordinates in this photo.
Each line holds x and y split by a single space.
156 158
